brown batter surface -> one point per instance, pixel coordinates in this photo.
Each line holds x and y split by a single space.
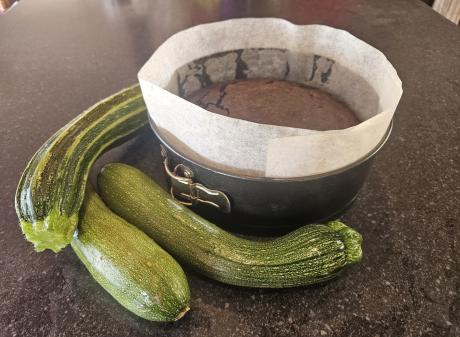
275 102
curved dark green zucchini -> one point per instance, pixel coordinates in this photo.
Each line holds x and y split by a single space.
308 255
137 272
51 189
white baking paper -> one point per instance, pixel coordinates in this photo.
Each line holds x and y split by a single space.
320 56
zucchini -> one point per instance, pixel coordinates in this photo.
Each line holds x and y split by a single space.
137 272
311 254
51 189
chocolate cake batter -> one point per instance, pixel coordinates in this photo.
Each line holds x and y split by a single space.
275 102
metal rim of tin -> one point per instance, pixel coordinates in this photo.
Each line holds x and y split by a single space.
268 179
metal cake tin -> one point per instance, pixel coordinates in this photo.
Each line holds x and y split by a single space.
230 164
311 198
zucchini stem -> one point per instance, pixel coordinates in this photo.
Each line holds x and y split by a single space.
352 240
182 313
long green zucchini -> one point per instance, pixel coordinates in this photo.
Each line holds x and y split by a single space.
137 272
51 189
311 254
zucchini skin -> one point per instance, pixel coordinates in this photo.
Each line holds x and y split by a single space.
51 189
308 255
137 272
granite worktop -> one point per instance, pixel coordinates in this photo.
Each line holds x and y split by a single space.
59 57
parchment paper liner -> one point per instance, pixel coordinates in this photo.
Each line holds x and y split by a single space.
316 55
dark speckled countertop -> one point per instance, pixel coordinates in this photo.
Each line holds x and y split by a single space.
59 57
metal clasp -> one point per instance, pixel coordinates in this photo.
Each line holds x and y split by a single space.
189 193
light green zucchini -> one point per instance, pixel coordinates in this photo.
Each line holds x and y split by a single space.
51 189
308 255
137 272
